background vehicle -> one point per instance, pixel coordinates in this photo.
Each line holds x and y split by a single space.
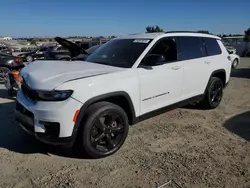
231 49
242 47
87 45
35 54
235 60
5 49
68 51
8 63
57 53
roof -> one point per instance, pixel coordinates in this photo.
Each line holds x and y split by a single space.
168 34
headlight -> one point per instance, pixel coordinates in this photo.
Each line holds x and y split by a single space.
54 95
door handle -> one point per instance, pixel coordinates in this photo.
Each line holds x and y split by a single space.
207 62
176 67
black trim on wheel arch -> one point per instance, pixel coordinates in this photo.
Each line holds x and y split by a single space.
212 75
102 98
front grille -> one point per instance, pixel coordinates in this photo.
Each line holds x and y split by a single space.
28 92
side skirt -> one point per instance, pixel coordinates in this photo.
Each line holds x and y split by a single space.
169 108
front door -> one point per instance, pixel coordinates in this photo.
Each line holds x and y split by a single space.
160 85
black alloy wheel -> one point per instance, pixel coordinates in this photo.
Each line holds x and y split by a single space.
105 129
213 95
107 132
216 92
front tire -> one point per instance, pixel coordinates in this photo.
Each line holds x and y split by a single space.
104 129
213 94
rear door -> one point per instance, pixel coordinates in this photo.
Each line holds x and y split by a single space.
195 66
217 56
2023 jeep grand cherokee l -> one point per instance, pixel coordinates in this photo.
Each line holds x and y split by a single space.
93 102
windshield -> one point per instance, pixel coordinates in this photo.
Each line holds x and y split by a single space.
119 52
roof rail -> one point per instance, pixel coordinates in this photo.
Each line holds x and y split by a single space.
183 32
190 32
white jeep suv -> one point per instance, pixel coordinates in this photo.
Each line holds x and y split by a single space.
93 102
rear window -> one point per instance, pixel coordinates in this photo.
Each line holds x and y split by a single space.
190 48
212 46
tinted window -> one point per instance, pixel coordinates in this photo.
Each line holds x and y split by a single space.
42 49
119 52
212 46
190 47
167 48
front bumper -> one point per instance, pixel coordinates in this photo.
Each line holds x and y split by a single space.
49 122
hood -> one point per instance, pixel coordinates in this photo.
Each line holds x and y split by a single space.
73 48
46 75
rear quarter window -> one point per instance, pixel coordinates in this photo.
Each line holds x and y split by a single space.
212 46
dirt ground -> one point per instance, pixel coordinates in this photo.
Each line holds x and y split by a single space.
191 147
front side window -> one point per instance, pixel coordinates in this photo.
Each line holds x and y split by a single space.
165 48
212 46
119 52
190 48
42 49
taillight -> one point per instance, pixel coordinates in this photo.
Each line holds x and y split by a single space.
17 60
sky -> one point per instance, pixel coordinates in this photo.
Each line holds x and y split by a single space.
41 18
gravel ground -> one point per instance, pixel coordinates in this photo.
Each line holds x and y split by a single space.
191 147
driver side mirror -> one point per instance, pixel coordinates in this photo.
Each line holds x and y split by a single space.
154 59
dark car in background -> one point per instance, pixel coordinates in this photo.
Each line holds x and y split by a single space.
6 49
57 53
86 45
35 54
9 63
69 51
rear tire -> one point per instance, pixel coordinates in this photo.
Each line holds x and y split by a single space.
213 94
103 130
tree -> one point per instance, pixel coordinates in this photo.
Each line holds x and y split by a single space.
154 29
247 40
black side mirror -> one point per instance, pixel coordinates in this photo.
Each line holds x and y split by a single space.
154 59
230 52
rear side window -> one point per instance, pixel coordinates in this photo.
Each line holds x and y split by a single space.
212 46
190 48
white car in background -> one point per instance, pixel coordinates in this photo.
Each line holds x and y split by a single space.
233 56
235 59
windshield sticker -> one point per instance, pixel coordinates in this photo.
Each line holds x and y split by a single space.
141 41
